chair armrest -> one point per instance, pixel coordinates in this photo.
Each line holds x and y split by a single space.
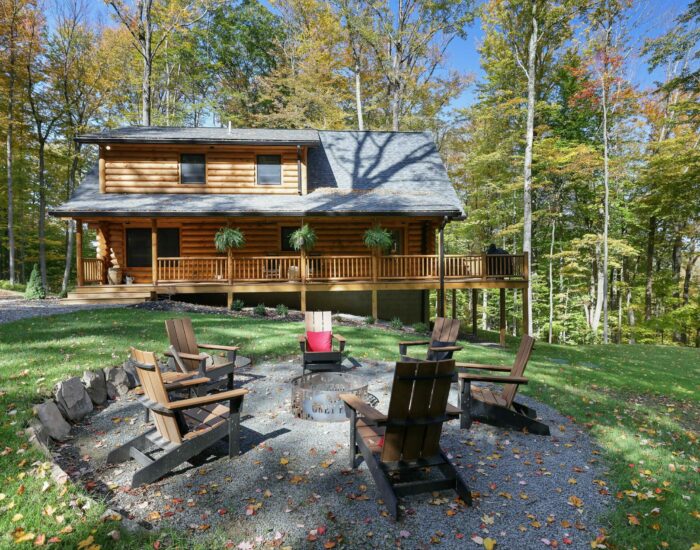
192 356
445 348
341 341
187 383
218 347
488 378
453 411
366 410
415 343
205 400
477 366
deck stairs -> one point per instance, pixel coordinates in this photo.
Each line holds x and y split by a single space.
124 294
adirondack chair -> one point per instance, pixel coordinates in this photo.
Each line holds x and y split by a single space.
320 321
183 429
400 445
185 349
499 408
442 343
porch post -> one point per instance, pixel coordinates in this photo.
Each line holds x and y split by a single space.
441 267
454 303
79 251
154 250
475 298
502 316
303 299
375 305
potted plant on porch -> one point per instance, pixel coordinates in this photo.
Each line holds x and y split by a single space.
228 239
378 240
303 240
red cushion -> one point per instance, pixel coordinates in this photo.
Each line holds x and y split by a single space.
319 341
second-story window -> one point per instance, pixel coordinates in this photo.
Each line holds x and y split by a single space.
193 168
269 169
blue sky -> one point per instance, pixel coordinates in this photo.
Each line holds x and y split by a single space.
648 19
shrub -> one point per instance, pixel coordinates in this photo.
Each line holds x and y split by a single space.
369 320
421 327
237 305
260 310
17 287
282 310
35 290
396 323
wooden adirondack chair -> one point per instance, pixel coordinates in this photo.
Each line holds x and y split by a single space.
185 349
320 321
499 408
442 343
400 445
183 429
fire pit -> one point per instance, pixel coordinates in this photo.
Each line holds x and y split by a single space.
315 395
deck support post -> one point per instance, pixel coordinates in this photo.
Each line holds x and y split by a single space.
475 299
502 316
441 270
375 305
303 300
154 251
229 299
454 303
526 319
79 252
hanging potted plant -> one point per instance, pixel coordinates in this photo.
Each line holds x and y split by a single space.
228 239
378 239
303 240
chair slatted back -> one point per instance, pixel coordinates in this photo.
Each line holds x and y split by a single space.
417 410
152 383
521 359
445 332
181 336
318 321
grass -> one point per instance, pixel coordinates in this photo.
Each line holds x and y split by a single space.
640 403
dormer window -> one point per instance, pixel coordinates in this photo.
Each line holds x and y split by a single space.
193 169
269 170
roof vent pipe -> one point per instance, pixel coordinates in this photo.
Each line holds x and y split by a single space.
229 127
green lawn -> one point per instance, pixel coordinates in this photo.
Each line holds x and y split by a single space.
639 402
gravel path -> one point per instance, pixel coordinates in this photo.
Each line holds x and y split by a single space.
291 485
14 307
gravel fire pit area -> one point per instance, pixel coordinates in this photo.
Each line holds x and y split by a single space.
292 486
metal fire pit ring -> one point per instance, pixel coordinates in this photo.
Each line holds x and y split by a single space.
315 396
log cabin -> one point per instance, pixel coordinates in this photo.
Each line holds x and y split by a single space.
158 195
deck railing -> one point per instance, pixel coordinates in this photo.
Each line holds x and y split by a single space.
332 268
193 269
93 270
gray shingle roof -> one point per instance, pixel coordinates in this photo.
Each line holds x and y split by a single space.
171 134
350 173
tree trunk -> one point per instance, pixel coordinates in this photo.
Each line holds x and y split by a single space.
8 143
606 207
358 98
651 244
676 278
147 63
529 139
600 289
70 226
686 287
551 282
42 213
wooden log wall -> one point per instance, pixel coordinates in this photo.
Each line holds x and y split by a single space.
156 169
338 236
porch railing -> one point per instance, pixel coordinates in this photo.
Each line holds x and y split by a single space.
93 270
332 268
